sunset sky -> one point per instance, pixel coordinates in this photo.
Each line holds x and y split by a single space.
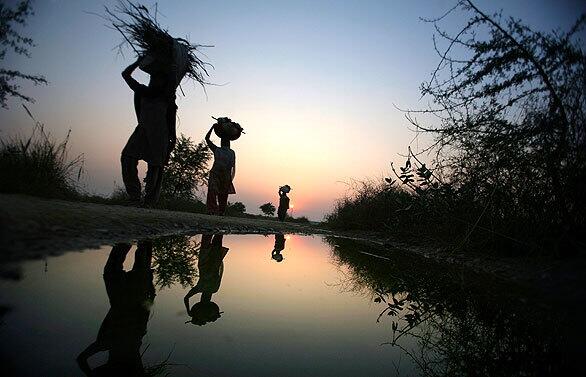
313 83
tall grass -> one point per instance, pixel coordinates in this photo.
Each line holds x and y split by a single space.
450 217
369 206
39 165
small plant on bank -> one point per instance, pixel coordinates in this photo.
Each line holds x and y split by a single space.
237 209
268 209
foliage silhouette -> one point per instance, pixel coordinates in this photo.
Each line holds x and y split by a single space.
236 209
186 171
11 39
508 162
268 209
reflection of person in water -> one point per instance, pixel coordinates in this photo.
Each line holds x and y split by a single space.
279 246
131 295
211 268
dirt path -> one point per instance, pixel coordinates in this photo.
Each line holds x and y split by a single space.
34 227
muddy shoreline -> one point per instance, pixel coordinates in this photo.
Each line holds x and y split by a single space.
32 228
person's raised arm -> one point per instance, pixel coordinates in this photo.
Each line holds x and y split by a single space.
127 76
211 145
193 291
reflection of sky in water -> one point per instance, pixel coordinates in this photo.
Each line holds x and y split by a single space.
288 318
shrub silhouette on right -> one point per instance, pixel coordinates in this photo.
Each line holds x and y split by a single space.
510 132
508 158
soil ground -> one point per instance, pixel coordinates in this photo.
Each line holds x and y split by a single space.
35 227
32 227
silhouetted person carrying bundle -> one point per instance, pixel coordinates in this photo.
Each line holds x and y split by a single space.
283 202
224 168
167 60
154 137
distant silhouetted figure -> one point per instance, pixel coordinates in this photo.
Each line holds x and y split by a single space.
279 246
154 136
221 176
131 295
283 202
211 268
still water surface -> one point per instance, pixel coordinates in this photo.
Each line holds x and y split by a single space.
251 305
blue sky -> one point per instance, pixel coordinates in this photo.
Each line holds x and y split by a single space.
312 82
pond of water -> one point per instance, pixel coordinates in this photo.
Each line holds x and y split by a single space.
286 305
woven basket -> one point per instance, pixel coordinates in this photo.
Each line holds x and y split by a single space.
227 129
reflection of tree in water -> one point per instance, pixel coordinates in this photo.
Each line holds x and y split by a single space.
462 324
174 260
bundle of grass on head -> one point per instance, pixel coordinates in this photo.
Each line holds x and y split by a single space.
142 32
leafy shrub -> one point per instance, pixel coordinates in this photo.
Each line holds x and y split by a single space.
237 209
186 171
268 209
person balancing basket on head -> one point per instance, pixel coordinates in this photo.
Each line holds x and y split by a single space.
283 202
224 168
167 60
